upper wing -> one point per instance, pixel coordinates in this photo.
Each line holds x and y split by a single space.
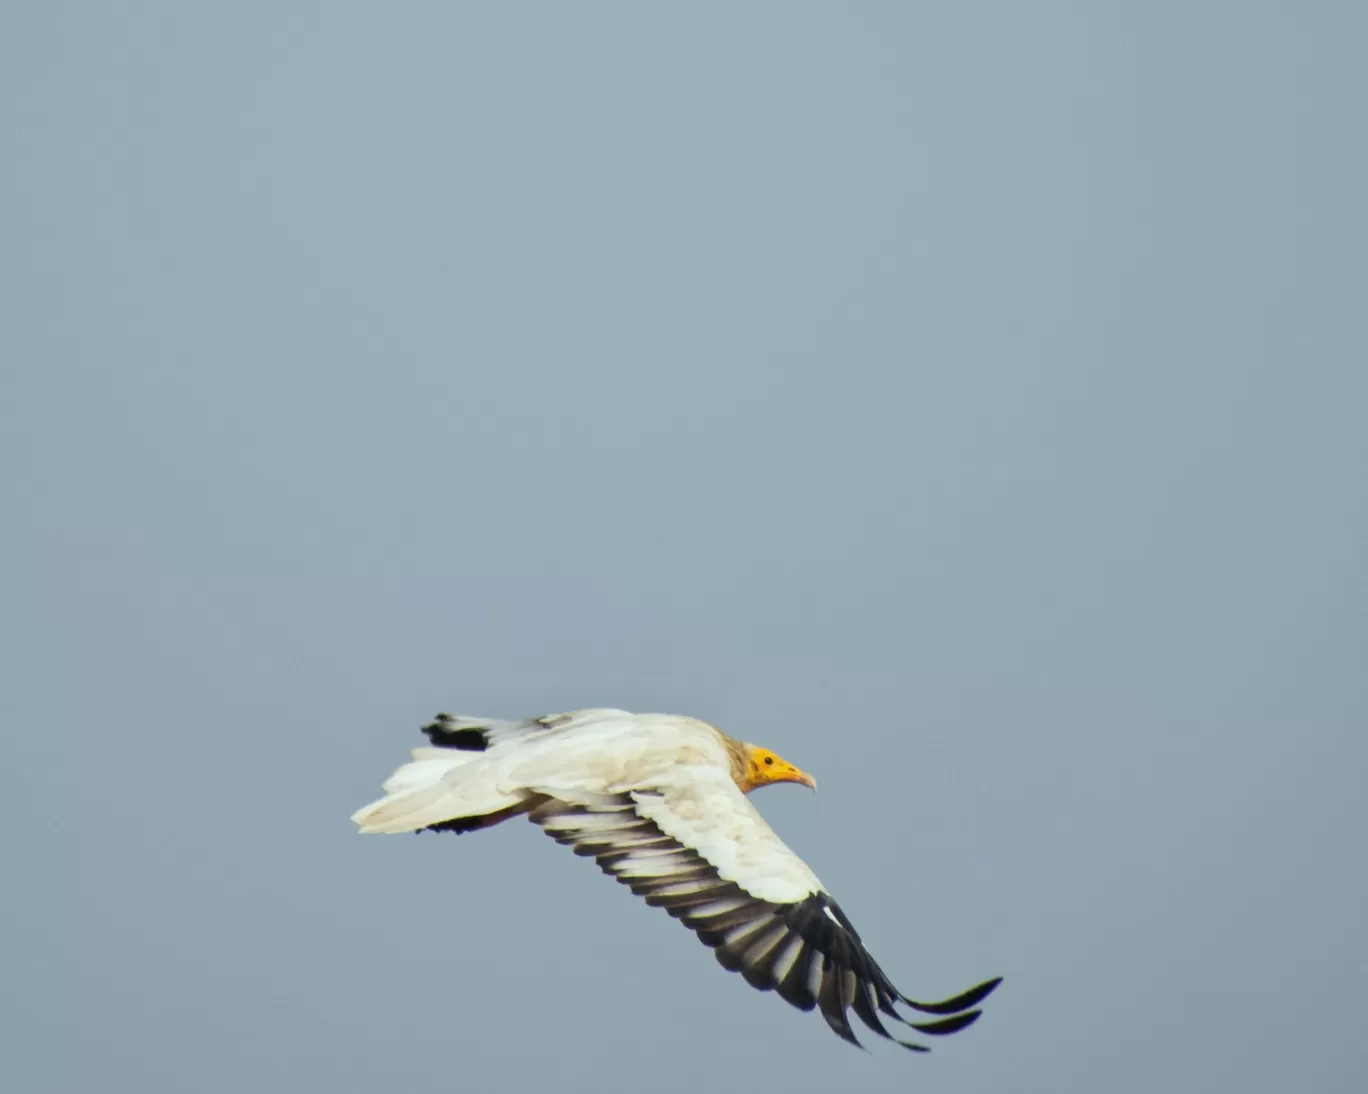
476 734
702 852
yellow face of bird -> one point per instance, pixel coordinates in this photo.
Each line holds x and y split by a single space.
764 767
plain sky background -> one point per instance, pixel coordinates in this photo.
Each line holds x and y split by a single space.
965 400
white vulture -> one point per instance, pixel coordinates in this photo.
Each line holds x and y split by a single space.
660 802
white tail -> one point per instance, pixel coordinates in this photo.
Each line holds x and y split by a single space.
455 786
440 784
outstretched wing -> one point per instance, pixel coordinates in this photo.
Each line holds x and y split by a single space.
700 850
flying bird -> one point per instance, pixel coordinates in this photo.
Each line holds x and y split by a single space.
659 801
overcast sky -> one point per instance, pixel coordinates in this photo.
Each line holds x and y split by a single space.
966 401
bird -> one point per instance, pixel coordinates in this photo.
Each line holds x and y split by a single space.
660 801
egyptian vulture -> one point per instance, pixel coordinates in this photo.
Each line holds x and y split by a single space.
660 802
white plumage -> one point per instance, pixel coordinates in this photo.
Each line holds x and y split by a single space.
660 802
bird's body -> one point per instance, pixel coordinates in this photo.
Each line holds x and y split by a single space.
660 802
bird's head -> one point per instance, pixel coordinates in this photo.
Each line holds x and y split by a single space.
763 767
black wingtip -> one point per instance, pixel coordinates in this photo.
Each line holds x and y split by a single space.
961 1002
843 1031
947 1025
442 734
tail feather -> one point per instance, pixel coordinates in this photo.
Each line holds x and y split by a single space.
433 789
488 820
453 784
429 765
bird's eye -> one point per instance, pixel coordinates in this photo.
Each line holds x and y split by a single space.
769 759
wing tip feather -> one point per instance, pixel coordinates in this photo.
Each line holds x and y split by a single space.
958 1003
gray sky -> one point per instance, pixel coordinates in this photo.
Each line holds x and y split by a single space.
966 401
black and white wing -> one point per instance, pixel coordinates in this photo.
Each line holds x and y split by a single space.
701 851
